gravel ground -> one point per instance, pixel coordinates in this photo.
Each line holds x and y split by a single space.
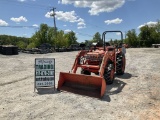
133 96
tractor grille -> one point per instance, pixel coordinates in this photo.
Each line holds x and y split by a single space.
94 57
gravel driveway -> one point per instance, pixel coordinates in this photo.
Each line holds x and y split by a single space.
133 96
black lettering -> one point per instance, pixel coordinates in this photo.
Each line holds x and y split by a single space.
45 66
52 78
40 73
43 73
40 66
51 66
47 73
48 66
37 73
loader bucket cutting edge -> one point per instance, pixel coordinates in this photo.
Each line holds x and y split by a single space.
93 86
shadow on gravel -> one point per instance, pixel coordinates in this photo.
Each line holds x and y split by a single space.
11 82
42 91
112 89
106 98
125 76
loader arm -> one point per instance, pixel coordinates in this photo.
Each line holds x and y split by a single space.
77 60
103 64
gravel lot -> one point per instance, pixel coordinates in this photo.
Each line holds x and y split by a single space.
133 96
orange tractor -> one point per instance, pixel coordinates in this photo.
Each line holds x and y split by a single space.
98 67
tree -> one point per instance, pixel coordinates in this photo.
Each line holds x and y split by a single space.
97 38
148 35
88 43
13 40
52 36
111 42
60 40
71 38
31 45
41 36
132 38
22 45
157 29
43 33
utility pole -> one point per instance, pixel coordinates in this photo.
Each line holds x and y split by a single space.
55 28
53 9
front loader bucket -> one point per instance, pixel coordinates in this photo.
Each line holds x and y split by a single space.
93 86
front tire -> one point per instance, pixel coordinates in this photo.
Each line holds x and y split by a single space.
109 73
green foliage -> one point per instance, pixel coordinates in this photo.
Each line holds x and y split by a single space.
31 45
97 37
111 42
51 35
132 38
148 35
71 38
45 34
88 42
13 40
22 45
40 36
60 39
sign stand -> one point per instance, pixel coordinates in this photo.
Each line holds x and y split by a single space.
44 73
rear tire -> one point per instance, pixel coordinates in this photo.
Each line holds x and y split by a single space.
120 64
109 73
85 72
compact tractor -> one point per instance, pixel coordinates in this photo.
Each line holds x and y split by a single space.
98 67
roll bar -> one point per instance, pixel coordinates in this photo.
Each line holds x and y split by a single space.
103 37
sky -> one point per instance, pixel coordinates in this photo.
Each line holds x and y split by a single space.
84 17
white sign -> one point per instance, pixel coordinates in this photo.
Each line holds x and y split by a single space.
44 72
